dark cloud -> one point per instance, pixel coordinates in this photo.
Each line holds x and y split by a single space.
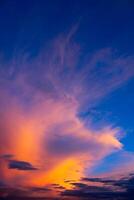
6 156
126 183
57 186
121 189
2 184
20 165
100 180
40 189
80 194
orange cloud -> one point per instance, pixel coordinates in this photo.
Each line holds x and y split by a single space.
55 140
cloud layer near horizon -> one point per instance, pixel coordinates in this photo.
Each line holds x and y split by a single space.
41 98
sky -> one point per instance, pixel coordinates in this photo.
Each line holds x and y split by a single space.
66 99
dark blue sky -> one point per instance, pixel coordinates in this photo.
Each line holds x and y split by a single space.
102 23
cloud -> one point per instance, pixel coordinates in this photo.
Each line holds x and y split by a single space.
6 156
41 121
20 165
122 189
93 188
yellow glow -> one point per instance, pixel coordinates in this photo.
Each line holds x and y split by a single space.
67 170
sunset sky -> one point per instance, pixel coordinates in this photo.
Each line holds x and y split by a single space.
67 99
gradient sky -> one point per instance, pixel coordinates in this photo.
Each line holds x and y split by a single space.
66 93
